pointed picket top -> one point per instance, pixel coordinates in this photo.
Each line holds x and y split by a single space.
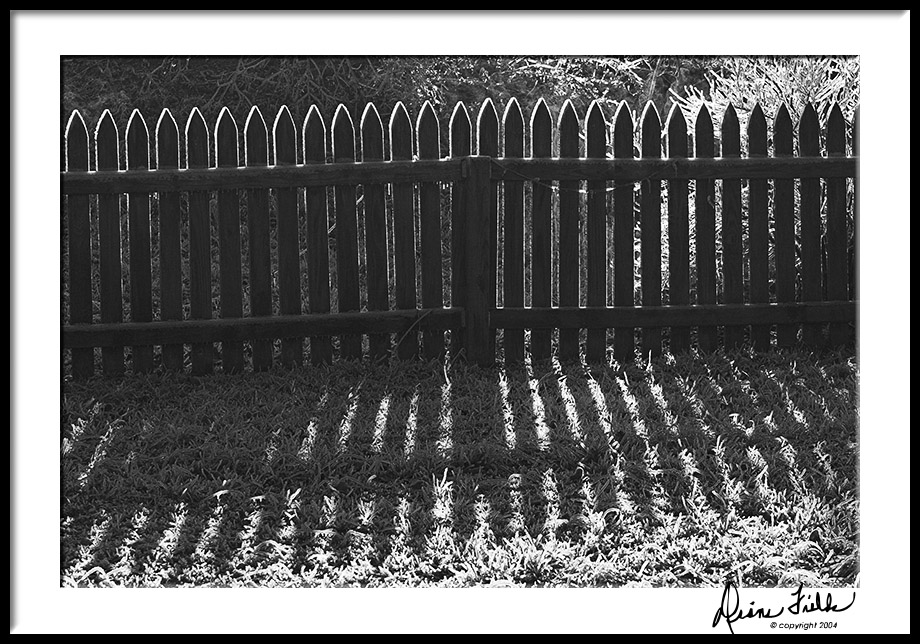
704 115
284 137
731 133
428 133
167 140
757 132
343 135
623 129
836 131
568 130
197 151
782 131
651 131
370 120
487 129
400 133
676 128
809 132
371 134
513 120
314 136
541 130
226 139
77 142
704 131
107 154
137 142
461 129
513 111
255 138
596 131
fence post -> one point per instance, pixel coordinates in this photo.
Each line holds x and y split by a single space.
476 195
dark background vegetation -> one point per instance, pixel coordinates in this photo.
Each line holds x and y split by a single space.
180 83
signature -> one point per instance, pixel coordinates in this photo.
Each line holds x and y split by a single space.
730 607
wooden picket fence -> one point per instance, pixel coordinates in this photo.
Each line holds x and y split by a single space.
531 245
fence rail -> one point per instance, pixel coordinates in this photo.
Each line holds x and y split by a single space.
626 229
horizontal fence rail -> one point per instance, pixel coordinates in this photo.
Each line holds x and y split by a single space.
609 238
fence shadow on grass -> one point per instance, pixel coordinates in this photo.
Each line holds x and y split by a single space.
409 474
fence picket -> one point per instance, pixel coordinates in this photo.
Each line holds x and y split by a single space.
404 228
705 211
758 228
569 226
314 151
541 280
197 155
137 149
79 266
110 270
678 230
429 147
836 235
732 258
460 146
650 217
596 232
167 156
624 226
289 298
854 247
810 213
487 146
228 239
346 229
784 226
375 230
255 136
513 229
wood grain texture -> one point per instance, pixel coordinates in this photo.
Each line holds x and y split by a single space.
375 230
346 230
650 217
460 146
624 244
784 225
810 216
314 153
79 262
170 233
732 243
541 255
110 268
678 230
404 228
308 175
513 229
569 231
137 150
429 147
596 233
253 329
487 145
228 240
197 155
705 233
836 235
758 228
255 136
289 268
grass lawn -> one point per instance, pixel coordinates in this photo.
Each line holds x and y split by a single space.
673 473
